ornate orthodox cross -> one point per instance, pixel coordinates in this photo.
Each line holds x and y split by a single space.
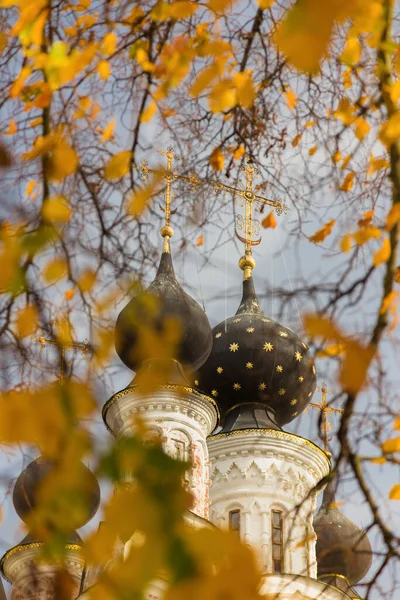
325 410
83 347
248 225
169 175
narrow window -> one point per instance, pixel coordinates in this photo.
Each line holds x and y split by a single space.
234 521
277 541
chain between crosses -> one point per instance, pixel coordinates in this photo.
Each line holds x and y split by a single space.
248 225
169 175
83 347
325 409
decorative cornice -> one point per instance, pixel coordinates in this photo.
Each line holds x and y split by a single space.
168 386
30 546
271 433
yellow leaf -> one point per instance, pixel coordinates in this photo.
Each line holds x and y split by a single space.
69 294
35 122
397 275
378 460
104 69
18 84
322 233
203 80
245 91
86 280
346 161
383 254
239 152
312 150
336 156
348 182
394 493
291 98
391 446
396 424
30 186
109 43
296 140
149 112
390 131
55 269
200 240
346 243
85 102
62 161
367 218
108 131
376 164
362 128
56 209
217 159
335 505
333 350
223 96
269 222
355 366
12 128
265 4
317 326
389 302
352 52
219 5
168 112
393 217
118 166
27 320
365 234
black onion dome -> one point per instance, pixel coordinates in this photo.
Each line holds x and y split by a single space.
28 483
257 360
172 302
343 548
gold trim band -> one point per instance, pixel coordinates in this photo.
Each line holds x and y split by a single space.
275 433
30 546
166 386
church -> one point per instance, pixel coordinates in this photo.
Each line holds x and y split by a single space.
231 391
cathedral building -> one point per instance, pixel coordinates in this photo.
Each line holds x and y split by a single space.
230 392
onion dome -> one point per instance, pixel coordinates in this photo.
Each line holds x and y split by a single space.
257 367
26 489
172 304
343 549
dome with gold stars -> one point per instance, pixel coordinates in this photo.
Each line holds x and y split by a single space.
257 361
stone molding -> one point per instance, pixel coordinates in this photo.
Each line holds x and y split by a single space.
120 410
298 587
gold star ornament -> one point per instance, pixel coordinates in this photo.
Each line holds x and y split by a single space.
262 387
236 386
218 335
219 370
279 369
249 365
250 329
214 393
234 347
268 347
298 356
282 392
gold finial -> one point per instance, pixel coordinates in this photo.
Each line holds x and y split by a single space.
248 225
83 347
325 409
169 175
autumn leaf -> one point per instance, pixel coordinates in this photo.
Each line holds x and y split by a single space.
69 294
366 218
269 222
332 350
200 240
312 150
291 98
383 254
56 209
393 217
217 159
12 128
109 43
361 128
336 156
104 69
27 321
223 96
376 164
149 112
322 233
239 152
86 280
118 165
55 269
63 161
365 234
391 446
296 139
347 182
140 198
108 131
394 493
346 243
389 302
30 186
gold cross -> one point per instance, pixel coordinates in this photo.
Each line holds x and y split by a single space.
83 347
169 175
325 409
248 225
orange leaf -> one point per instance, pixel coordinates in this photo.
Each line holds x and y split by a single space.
312 150
394 493
69 294
104 69
291 98
55 270
396 424
391 446
347 183
367 218
149 112
239 152
393 217
200 240
322 233
118 166
30 186
27 319
296 140
317 326
389 302
269 222
86 280
217 159
345 243
355 366
336 156
108 131
383 254
365 234
12 128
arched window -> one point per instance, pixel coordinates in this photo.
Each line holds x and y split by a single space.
234 521
277 541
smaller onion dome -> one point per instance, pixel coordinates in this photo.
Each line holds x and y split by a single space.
172 303
28 483
343 549
257 361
